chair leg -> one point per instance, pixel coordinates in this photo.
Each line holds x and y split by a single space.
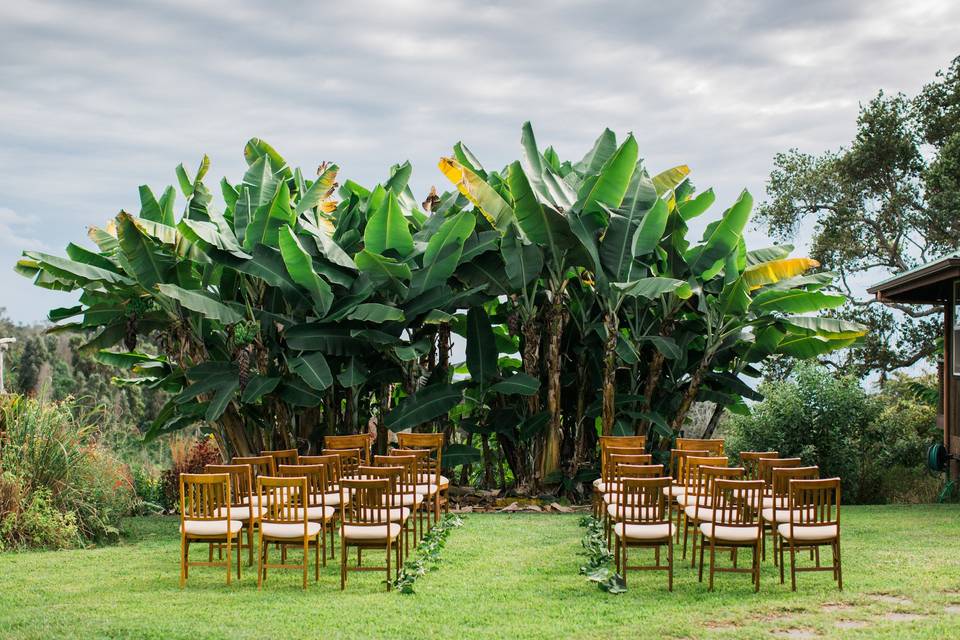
686 526
316 554
713 560
623 563
616 553
239 549
250 545
700 574
183 560
306 560
693 555
793 566
775 536
670 564
343 564
322 542
836 559
388 564
261 549
756 568
186 559
228 563
399 549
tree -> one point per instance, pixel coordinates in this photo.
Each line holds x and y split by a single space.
887 202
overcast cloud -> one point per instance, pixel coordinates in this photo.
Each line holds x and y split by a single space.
96 99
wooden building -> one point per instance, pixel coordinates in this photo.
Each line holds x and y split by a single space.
937 283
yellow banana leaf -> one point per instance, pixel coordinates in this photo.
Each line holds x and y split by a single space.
493 207
776 270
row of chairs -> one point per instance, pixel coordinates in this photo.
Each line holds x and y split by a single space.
721 507
373 501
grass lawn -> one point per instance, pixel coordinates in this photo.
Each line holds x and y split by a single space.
502 576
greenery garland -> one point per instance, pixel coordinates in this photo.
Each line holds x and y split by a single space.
426 555
599 557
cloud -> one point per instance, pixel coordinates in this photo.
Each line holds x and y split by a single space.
10 221
98 97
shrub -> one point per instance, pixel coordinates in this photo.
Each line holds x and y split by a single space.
189 455
51 463
874 442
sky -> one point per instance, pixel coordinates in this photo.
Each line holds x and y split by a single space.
97 98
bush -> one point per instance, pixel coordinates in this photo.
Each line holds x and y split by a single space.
50 462
874 442
189 455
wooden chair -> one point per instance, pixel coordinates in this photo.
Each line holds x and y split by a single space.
204 500
241 507
713 445
406 490
693 490
701 510
259 466
775 509
331 491
643 521
429 489
393 504
610 485
735 524
815 522
625 466
283 456
364 524
359 441
285 522
434 442
765 467
600 484
678 472
350 460
749 460
633 442
316 498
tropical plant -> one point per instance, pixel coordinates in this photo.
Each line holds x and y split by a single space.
303 307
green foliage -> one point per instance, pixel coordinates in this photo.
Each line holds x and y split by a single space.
875 443
426 556
50 462
188 455
887 201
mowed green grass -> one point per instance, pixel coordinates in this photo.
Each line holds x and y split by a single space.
502 576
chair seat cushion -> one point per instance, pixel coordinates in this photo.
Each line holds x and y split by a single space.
289 530
597 482
426 489
687 499
393 514
630 513
211 528
643 531
674 491
407 499
426 478
809 533
331 499
371 532
730 534
317 512
608 487
703 514
769 500
779 516
238 512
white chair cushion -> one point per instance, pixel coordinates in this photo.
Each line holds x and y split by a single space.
406 499
211 527
426 478
317 512
426 489
631 513
730 534
597 482
643 531
394 514
372 532
778 516
289 530
673 491
807 533
703 514
768 503
331 499
686 499
239 512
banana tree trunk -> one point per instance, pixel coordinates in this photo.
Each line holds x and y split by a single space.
235 433
612 325
654 374
586 433
550 453
689 395
531 358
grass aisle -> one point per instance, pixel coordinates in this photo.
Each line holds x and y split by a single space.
502 576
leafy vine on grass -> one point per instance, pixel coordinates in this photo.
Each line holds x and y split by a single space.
426 556
599 557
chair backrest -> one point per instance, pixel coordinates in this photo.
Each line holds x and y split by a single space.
259 465
617 460
622 441
639 471
316 475
693 480
432 441
365 507
750 461
359 441
736 503
350 460
641 501
332 465
284 499
408 463
394 476
707 475
204 495
713 445
283 456
240 477
609 451
782 477
765 467
427 469
815 502
678 458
